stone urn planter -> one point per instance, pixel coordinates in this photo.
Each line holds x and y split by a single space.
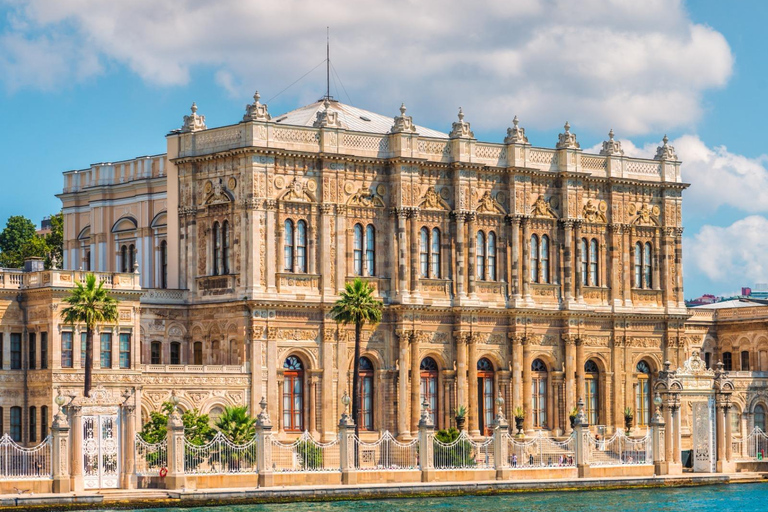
461 417
628 417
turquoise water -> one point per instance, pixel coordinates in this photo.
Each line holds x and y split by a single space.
716 498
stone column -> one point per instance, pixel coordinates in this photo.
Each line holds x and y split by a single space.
472 405
579 367
526 259
313 379
415 269
76 434
403 427
263 428
472 240
628 266
678 274
461 368
728 436
527 380
500 444
666 286
581 444
517 370
426 444
676 437
568 274
613 276
176 479
129 427
720 421
415 383
656 260
570 376
60 456
460 236
577 279
326 391
657 438
617 361
347 449
273 261
514 278
402 252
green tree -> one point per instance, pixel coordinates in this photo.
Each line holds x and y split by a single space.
92 305
197 427
55 240
357 306
237 424
18 231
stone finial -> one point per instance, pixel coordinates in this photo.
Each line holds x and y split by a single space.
581 417
263 419
425 420
611 147
328 118
461 129
567 140
193 122
256 111
665 151
403 123
516 135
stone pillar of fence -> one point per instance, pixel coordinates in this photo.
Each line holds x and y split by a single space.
76 452
60 450
176 479
264 446
581 441
500 443
657 439
347 446
426 444
129 447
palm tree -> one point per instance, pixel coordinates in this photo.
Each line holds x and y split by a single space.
357 306
89 304
237 424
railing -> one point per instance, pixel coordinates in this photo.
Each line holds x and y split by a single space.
20 463
618 450
220 456
541 452
150 457
387 454
463 453
305 455
754 447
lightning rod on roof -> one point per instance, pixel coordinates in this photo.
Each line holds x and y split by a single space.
327 62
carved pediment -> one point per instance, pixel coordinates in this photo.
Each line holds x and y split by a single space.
366 198
217 193
487 204
542 208
647 215
595 212
297 191
433 201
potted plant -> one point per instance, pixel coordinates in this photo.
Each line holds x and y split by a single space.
519 414
572 416
461 417
628 419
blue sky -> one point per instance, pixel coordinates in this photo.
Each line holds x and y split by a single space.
92 81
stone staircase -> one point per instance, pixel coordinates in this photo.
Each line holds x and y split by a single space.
134 494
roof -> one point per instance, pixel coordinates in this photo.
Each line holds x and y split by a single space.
356 119
734 303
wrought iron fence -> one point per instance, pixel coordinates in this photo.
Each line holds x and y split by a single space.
540 451
387 453
463 453
150 458
619 449
305 455
220 456
754 447
20 463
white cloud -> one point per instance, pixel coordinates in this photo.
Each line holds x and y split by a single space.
636 66
731 255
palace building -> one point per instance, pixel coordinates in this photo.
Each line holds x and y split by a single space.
544 275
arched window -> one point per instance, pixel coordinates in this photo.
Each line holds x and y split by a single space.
370 250
16 424
592 392
708 360
124 258
155 353
357 244
428 370
534 259
225 247
301 246
539 393
175 352
584 261
727 361
216 249
491 256
544 256
197 353
593 260
480 256
131 257
759 417
43 422
293 394
288 246
424 252
643 394
744 361
163 264
485 396
87 261
435 253
33 424
647 266
366 394
638 265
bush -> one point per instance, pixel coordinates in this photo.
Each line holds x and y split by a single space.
459 455
311 455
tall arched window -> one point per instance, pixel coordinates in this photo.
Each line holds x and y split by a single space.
293 394
424 252
357 245
175 352
485 397
593 261
539 393
480 256
647 266
225 247
544 257
124 258
435 253
759 417
33 424
16 424
155 353
727 361
643 394
638 265
301 246
163 264
131 257
584 257
491 256
366 394
428 372
288 246
744 361
592 392
370 250
216 249
197 353
87 261
534 259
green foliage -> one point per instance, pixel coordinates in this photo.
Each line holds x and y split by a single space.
447 436
574 412
196 426
55 240
460 455
628 414
461 411
19 241
155 430
236 424
518 412
311 455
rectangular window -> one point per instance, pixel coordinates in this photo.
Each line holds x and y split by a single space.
43 350
106 350
33 424
83 342
175 353
43 422
125 350
2 351
15 351
16 424
66 349
154 352
32 350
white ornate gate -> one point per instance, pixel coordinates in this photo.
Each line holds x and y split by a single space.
101 451
703 431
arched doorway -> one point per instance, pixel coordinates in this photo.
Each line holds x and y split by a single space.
428 370
485 395
539 376
643 394
592 392
293 394
366 394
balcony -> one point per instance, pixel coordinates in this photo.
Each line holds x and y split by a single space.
193 368
216 285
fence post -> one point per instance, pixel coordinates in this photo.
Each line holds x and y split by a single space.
581 443
264 446
426 444
500 444
60 449
347 445
176 478
657 439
